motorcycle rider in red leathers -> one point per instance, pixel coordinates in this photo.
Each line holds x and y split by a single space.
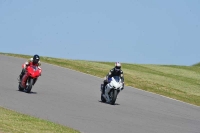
35 60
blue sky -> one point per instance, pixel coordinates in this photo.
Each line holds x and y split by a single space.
131 31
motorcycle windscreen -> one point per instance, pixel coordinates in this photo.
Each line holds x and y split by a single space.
117 78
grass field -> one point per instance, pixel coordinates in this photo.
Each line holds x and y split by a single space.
178 82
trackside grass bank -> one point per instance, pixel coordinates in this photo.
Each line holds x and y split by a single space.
178 82
13 122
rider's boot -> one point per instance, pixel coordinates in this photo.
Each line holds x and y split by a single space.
106 95
103 89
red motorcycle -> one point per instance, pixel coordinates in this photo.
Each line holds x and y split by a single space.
29 78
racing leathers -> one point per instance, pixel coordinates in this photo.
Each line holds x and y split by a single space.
27 63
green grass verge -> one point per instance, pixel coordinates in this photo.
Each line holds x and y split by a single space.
178 82
13 122
197 64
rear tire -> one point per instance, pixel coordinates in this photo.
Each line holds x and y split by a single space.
29 86
114 97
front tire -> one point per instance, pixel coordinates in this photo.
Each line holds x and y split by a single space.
114 97
29 86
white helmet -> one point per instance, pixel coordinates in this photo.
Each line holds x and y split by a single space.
117 66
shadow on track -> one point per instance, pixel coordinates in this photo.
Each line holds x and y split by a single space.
109 103
28 93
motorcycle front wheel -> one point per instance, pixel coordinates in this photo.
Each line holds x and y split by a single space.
113 96
29 86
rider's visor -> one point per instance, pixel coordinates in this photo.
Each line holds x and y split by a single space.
117 68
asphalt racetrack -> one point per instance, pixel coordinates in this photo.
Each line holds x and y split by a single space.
72 98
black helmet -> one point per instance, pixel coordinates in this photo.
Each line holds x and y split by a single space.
36 59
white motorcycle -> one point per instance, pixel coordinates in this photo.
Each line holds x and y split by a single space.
113 88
